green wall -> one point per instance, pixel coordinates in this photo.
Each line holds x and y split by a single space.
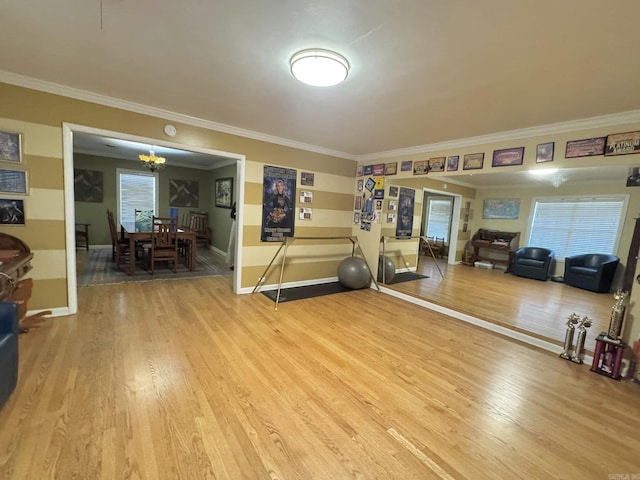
94 213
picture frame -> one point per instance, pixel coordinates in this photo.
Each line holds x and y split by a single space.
224 192
421 167
88 185
359 171
622 144
544 152
501 208
452 163
184 193
370 183
13 182
473 161
406 166
393 191
10 146
587 147
507 156
378 169
307 179
12 211
391 168
392 205
436 164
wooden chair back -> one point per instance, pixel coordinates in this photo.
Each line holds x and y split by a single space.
164 244
199 223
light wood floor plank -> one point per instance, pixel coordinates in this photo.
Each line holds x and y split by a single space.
182 379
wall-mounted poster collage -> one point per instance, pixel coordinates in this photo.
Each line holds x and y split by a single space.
278 203
13 179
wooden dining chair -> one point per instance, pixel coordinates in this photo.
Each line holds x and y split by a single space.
121 253
164 244
199 223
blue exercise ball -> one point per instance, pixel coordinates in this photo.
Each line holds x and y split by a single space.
353 273
389 269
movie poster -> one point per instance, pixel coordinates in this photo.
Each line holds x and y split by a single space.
278 203
406 201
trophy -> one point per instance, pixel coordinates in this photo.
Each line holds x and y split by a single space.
576 357
617 316
572 321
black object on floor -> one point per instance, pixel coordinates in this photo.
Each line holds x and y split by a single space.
309 291
405 277
557 279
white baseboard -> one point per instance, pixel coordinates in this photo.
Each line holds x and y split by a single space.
529 340
274 286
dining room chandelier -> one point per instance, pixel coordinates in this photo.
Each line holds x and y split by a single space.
152 162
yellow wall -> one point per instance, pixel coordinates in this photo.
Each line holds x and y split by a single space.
39 116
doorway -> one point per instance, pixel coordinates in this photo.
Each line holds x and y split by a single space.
68 155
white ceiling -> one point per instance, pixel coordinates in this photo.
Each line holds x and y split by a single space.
422 71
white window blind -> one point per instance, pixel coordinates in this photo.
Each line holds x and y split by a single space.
137 191
574 226
439 220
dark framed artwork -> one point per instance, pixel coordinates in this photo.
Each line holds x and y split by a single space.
436 164
473 161
622 144
587 147
508 156
13 181
11 211
452 163
393 191
184 193
391 168
224 192
544 152
406 166
88 185
10 147
307 178
421 167
370 184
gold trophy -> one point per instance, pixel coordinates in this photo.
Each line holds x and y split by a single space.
617 316
576 357
572 321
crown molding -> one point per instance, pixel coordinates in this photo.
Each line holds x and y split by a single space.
84 95
550 129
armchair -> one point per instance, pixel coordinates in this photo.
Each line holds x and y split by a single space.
591 271
8 350
532 262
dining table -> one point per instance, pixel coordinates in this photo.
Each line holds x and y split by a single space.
130 231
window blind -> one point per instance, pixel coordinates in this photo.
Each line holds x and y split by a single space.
439 221
575 226
137 191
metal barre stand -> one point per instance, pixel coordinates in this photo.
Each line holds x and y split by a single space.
384 239
285 243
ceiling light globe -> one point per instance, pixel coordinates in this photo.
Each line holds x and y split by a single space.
320 68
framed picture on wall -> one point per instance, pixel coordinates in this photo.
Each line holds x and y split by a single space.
544 152
88 185
13 181
11 211
10 147
224 192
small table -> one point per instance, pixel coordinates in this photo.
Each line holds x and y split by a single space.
82 234
182 234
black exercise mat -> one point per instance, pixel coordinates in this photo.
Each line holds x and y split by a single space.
309 291
405 277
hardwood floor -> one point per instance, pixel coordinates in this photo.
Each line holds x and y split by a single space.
539 309
182 379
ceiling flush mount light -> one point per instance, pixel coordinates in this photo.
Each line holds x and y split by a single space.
320 68
152 162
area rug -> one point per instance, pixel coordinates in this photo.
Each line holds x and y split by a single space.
405 277
309 291
100 270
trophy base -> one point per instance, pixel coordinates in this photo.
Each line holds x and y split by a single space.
607 358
